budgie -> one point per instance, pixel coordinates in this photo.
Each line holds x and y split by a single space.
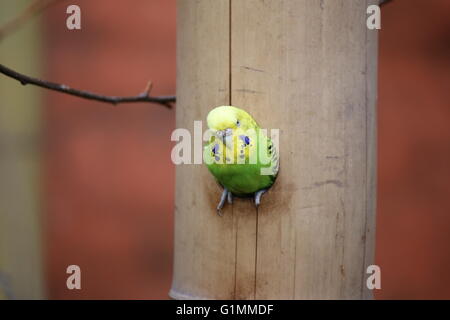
241 158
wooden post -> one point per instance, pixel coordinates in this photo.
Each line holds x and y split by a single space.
308 68
21 270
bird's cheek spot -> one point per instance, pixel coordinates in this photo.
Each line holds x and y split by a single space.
245 139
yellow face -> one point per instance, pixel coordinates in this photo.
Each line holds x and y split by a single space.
222 118
222 121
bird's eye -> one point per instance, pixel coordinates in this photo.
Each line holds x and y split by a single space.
238 123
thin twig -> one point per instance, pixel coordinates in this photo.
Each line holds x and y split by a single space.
33 9
383 2
143 97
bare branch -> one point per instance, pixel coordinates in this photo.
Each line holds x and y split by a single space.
33 8
143 97
383 2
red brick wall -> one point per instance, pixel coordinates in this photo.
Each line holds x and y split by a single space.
413 231
109 181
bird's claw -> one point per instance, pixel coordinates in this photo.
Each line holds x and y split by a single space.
230 197
225 195
258 195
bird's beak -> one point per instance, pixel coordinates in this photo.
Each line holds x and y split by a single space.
224 135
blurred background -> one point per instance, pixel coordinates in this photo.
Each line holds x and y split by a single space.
85 183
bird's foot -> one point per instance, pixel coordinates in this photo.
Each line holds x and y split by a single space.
258 195
230 197
225 195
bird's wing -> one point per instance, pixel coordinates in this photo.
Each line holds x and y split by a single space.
273 153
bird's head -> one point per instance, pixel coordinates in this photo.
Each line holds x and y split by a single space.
223 120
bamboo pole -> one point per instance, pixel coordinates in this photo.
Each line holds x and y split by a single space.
309 69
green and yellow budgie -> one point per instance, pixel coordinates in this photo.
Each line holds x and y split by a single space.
241 158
